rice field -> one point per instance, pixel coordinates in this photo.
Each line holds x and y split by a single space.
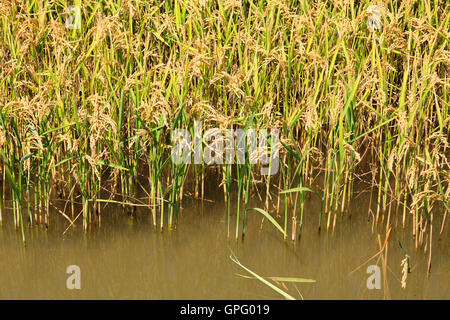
360 97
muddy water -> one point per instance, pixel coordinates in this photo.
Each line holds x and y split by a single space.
126 259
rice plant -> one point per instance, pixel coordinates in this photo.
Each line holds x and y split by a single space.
358 90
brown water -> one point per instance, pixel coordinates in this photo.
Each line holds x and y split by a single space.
127 259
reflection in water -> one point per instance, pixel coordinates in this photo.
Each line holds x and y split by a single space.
127 259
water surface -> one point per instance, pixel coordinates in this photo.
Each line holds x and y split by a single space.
127 259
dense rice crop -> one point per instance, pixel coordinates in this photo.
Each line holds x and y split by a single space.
90 110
